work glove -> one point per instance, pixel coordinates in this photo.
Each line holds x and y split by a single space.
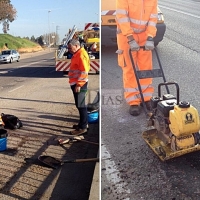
149 45
133 44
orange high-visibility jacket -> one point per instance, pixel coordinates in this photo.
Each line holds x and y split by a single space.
136 16
79 68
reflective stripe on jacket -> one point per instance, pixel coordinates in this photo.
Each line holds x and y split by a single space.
79 68
137 97
140 15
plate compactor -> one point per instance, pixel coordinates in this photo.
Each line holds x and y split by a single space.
173 125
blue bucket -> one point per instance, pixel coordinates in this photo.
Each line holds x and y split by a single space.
93 117
3 139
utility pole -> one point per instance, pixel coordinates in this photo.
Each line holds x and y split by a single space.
57 28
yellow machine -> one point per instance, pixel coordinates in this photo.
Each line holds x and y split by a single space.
91 37
174 126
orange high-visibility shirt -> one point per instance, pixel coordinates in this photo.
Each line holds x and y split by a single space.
79 68
136 16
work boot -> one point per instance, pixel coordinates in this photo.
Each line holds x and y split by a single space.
135 110
148 105
79 131
75 126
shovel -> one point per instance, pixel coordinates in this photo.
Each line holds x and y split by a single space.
55 163
74 139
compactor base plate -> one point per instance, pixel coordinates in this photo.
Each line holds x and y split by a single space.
163 151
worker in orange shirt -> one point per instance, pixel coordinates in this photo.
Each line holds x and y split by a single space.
78 80
136 26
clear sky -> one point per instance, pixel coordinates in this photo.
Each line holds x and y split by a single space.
38 17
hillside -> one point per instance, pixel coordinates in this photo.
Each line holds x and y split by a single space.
20 44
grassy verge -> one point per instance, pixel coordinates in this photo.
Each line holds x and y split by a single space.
17 43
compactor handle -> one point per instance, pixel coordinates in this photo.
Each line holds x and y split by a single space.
170 83
143 47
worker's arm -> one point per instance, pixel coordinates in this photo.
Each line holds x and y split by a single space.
151 27
122 17
84 67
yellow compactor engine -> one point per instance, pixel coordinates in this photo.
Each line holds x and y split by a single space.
184 126
176 126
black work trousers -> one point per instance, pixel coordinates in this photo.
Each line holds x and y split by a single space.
79 98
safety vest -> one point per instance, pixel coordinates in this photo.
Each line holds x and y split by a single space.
79 68
136 16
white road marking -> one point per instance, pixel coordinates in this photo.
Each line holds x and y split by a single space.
32 63
6 71
112 172
178 11
16 88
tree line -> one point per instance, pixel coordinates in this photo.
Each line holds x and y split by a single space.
42 40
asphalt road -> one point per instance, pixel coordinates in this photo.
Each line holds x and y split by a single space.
42 99
130 170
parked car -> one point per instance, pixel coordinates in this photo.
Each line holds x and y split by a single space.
108 24
10 55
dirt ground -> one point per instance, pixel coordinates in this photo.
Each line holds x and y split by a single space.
30 50
26 50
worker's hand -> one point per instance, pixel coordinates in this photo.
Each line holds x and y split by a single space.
77 89
133 44
149 45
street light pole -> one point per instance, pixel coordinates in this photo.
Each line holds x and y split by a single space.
49 27
53 33
97 17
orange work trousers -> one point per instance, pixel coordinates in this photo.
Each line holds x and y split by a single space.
143 61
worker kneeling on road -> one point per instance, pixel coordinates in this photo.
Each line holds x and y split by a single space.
78 79
136 26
